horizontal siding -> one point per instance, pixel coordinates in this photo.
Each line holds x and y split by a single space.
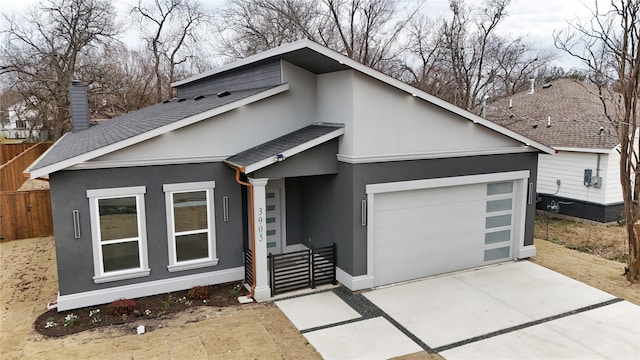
613 189
568 167
256 76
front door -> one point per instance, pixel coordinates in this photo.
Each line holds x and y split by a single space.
274 193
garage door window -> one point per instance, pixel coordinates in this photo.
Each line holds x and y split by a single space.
498 221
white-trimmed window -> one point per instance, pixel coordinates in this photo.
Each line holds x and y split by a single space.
191 225
119 233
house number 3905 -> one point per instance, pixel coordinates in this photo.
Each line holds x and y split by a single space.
260 227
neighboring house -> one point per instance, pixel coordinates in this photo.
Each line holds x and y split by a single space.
21 124
295 147
583 178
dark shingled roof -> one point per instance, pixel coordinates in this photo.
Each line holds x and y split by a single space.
576 116
281 144
122 127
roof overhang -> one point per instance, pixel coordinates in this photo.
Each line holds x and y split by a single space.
324 59
280 149
585 150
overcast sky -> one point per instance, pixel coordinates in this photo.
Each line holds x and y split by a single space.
535 19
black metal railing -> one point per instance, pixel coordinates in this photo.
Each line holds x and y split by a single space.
302 269
248 266
324 266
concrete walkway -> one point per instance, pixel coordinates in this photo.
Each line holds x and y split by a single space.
29 281
514 310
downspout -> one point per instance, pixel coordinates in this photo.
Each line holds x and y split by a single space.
599 146
252 234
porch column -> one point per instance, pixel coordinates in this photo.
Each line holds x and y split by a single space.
262 290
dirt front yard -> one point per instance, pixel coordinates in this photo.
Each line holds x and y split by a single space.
29 281
256 331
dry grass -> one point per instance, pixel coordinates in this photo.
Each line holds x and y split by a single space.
593 253
606 275
606 241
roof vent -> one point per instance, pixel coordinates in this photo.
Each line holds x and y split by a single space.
223 94
547 85
181 99
535 126
199 97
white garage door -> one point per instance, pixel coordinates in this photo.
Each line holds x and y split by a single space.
422 232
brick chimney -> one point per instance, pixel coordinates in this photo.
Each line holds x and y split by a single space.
79 106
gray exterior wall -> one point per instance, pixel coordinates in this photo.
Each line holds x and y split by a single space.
251 77
328 207
319 160
74 256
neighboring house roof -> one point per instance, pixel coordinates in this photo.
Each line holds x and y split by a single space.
572 108
285 146
144 124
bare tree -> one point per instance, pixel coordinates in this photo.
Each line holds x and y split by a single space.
170 29
46 47
609 45
463 59
368 31
122 80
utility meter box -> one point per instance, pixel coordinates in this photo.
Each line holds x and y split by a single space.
596 181
587 177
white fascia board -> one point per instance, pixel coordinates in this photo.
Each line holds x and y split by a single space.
105 164
295 150
28 170
585 150
304 43
364 159
157 132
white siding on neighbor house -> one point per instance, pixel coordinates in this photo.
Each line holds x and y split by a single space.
424 128
568 167
234 131
612 184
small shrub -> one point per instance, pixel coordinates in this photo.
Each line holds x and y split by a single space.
70 319
50 323
94 315
235 290
166 303
198 293
122 307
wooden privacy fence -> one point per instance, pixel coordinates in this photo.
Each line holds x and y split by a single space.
11 173
9 151
25 214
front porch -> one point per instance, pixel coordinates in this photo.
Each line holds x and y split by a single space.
289 185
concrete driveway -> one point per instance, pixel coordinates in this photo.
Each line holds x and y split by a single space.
514 310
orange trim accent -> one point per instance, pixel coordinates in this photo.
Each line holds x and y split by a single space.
252 235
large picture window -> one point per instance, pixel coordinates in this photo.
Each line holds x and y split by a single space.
118 230
191 225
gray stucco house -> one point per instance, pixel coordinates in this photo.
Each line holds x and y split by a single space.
295 147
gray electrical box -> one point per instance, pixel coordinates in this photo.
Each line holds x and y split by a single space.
596 181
